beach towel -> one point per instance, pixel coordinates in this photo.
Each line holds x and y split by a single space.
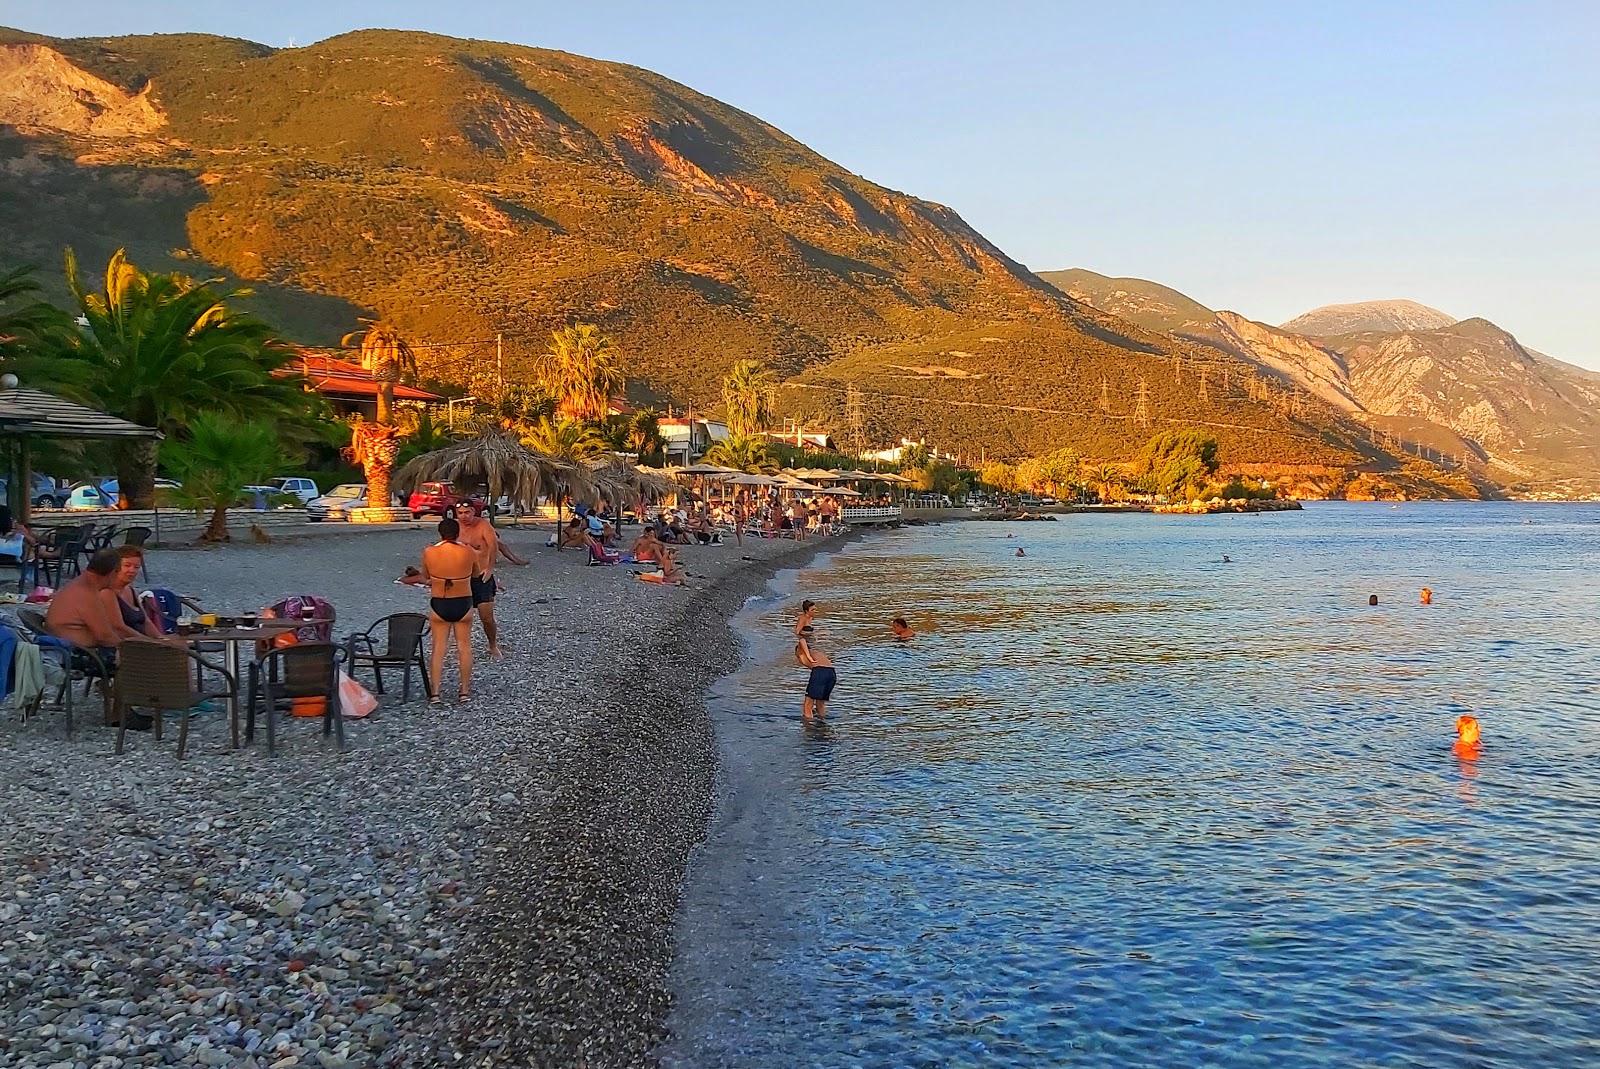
27 675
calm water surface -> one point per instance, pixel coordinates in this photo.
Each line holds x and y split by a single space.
1123 804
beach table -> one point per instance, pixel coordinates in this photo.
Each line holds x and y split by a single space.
232 638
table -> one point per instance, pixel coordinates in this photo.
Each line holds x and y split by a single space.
234 637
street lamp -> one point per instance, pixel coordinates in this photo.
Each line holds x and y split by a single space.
450 408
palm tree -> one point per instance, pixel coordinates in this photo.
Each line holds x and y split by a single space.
163 349
742 453
565 440
748 394
216 461
644 435
385 353
29 327
1107 479
580 368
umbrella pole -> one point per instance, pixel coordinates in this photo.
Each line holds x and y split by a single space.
24 480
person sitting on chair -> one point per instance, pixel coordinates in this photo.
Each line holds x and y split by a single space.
127 614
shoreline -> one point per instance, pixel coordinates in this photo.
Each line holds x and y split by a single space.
634 802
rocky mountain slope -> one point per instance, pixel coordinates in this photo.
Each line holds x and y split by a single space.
1368 317
1465 394
469 190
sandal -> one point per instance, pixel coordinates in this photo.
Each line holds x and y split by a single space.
463 698
434 699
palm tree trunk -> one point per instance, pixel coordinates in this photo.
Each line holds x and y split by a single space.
386 403
378 492
135 463
217 529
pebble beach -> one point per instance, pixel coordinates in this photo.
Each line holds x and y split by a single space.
485 885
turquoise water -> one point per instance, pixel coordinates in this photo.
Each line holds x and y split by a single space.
1123 804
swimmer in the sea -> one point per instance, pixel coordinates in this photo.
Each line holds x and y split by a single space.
1467 746
1226 559
1427 596
1020 553
1372 599
820 684
901 629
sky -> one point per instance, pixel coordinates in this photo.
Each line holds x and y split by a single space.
1263 157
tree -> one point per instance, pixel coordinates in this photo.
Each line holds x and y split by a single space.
580 369
217 459
29 328
1178 462
387 356
999 476
748 394
644 436
1107 480
162 350
913 456
1058 472
566 439
742 453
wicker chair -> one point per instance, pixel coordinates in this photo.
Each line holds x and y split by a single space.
403 632
305 670
164 677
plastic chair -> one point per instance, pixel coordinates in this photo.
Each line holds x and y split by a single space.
306 670
156 675
403 648
77 663
138 536
63 545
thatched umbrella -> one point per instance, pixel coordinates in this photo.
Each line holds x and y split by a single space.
621 480
503 464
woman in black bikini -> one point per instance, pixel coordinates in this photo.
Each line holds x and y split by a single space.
447 569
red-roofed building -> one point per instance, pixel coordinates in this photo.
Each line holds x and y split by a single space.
350 388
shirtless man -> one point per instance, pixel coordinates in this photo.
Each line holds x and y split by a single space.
901 629
820 684
78 614
481 536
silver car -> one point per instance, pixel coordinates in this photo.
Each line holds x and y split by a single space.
337 503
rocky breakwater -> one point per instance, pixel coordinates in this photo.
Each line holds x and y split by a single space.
1229 504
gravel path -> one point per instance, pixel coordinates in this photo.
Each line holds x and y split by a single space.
488 885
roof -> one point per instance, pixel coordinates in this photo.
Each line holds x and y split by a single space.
34 412
333 377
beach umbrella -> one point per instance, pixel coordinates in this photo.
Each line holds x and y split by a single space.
841 491
752 480
503 464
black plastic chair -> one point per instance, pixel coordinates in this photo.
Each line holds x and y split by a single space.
100 539
403 632
59 558
306 670
138 536
78 663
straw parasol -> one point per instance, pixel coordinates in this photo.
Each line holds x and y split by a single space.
619 480
500 462
841 491
753 480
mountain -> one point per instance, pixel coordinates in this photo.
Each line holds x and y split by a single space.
1533 420
1149 304
1368 317
468 190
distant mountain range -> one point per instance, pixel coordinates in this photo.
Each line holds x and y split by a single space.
1465 390
470 191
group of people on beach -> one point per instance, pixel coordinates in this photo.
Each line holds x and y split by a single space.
459 573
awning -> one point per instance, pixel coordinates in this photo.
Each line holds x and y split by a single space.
36 413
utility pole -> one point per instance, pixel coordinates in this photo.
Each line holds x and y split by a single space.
852 415
1141 413
1205 397
1105 396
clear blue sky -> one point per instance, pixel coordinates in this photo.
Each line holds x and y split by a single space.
1264 157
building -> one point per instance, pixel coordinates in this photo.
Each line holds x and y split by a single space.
897 453
819 440
687 438
350 388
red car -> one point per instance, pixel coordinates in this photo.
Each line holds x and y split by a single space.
431 499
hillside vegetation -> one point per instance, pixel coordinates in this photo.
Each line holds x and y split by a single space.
464 189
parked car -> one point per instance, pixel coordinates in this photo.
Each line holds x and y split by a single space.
47 493
112 488
87 496
305 489
337 503
431 499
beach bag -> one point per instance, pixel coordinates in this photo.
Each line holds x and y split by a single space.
355 701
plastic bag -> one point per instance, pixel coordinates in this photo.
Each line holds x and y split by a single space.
355 701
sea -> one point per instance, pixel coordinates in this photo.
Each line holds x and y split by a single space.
1124 803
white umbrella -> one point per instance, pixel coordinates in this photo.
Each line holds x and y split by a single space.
753 480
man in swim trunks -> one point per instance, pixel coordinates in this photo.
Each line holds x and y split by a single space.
481 536
901 629
820 684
